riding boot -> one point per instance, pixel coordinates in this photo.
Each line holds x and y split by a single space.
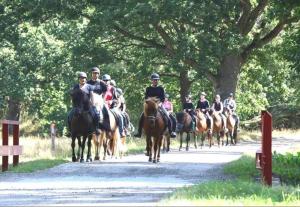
141 122
172 133
173 122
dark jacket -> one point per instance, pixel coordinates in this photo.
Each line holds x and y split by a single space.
202 105
100 86
155 92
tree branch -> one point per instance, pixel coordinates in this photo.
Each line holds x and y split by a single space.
246 9
167 39
257 43
252 17
135 37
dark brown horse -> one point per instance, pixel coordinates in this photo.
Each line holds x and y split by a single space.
81 124
231 125
184 123
154 128
202 127
218 127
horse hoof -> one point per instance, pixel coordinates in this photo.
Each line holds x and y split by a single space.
74 159
97 158
147 154
158 160
82 160
179 149
154 161
89 160
187 149
150 160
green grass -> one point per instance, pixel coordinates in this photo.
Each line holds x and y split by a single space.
240 191
35 165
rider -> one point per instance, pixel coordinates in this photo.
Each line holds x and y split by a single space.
189 108
156 91
101 89
88 89
111 100
217 106
167 104
203 105
231 104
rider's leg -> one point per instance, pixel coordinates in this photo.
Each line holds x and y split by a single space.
173 122
172 133
224 122
121 125
141 122
95 116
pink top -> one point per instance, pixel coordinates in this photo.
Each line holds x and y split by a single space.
167 105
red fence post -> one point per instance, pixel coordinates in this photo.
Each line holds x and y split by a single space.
4 143
15 143
266 119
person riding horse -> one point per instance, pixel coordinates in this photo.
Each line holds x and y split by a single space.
111 99
203 105
88 89
189 108
217 107
157 91
230 104
167 104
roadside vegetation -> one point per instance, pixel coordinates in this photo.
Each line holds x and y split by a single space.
244 189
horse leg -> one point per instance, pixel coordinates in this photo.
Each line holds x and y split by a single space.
89 154
79 148
159 146
150 148
82 148
168 143
180 147
73 149
96 143
195 140
187 141
147 146
155 140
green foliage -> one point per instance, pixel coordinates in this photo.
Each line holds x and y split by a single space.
287 166
32 166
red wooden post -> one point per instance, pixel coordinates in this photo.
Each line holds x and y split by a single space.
266 158
15 143
4 143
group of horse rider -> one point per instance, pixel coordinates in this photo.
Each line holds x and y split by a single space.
112 95
217 107
114 99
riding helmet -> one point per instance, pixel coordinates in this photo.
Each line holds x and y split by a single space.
231 95
203 94
82 75
167 95
119 91
106 77
154 76
95 70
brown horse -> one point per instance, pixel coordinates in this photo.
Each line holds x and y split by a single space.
231 125
109 137
184 122
154 127
202 126
218 126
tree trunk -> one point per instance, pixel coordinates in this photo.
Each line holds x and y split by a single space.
185 85
14 109
228 75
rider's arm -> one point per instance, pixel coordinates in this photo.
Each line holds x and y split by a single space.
171 109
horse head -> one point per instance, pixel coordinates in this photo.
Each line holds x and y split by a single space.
151 109
80 101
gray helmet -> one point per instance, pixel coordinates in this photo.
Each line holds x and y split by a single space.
106 77
119 91
95 70
154 76
113 82
82 75
231 95
167 95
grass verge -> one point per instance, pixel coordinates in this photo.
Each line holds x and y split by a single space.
40 164
241 191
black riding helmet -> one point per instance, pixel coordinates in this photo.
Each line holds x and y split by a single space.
82 75
95 70
154 76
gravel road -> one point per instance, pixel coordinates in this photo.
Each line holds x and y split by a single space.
128 181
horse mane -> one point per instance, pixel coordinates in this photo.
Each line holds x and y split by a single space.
80 99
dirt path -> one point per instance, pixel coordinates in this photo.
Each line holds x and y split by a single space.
130 181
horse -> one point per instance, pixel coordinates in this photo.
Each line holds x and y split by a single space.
218 126
82 124
109 136
202 126
166 143
154 127
184 123
231 126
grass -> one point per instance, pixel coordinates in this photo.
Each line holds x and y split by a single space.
240 191
35 165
